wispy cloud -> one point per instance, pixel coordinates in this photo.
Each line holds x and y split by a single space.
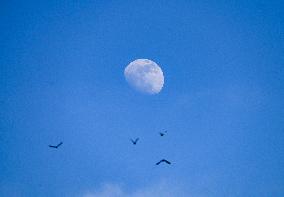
162 189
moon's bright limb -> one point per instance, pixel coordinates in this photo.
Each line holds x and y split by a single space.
145 76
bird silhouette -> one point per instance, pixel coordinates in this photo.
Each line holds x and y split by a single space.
162 134
51 146
134 141
163 160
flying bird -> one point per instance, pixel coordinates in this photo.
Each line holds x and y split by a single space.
162 134
51 146
134 141
163 160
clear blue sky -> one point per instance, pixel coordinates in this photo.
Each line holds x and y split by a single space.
61 78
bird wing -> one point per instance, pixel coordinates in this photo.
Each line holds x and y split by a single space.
167 161
59 144
52 146
158 162
136 140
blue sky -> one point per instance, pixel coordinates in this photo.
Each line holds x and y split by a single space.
61 78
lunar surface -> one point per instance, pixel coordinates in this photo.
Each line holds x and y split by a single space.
145 76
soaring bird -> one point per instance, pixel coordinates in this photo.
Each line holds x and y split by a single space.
134 141
51 146
162 134
163 160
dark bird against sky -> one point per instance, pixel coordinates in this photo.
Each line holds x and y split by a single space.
134 141
51 146
162 134
163 160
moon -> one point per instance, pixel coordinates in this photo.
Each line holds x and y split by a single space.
145 76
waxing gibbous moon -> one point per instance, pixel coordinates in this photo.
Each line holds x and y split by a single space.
145 76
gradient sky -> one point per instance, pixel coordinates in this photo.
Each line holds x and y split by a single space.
61 78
